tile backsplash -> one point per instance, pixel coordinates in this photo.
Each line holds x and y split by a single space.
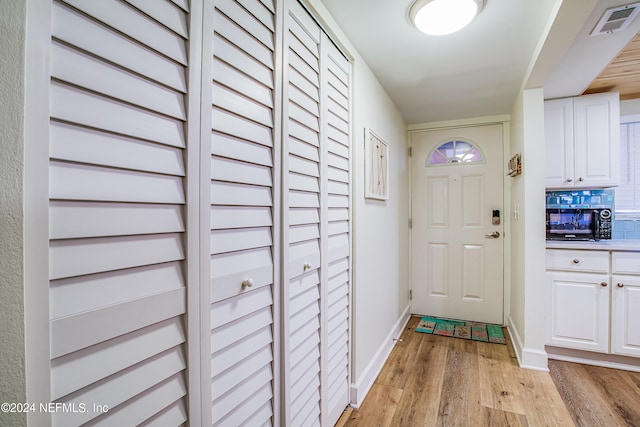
627 229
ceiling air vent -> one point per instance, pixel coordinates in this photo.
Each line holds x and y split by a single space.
616 19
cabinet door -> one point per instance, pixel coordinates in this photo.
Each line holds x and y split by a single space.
578 310
597 140
558 134
626 315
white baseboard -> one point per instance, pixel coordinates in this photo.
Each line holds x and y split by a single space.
592 358
515 339
537 360
528 358
361 387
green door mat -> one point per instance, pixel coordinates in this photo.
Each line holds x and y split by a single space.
475 331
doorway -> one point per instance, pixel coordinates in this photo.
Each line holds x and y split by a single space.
457 214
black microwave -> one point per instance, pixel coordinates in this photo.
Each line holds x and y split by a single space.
578 224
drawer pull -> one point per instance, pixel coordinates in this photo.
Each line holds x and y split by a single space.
247 283
576 261
603 284
621 285
306 266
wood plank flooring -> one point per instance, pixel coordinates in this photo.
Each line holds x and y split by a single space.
482 385
597 396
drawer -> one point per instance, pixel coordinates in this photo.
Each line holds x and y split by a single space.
625 262
572 260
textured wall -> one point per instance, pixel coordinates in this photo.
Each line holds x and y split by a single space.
12 361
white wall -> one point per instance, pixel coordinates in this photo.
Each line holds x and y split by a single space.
381 235
12 358
527 293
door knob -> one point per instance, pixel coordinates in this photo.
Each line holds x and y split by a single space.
247 283
306 266
493 235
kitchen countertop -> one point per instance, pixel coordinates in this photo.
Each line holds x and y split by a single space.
602 245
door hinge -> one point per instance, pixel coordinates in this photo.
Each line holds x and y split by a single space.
410 223
410 294
410 152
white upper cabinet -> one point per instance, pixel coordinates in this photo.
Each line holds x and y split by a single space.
582 137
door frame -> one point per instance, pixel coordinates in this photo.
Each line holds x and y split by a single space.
505 121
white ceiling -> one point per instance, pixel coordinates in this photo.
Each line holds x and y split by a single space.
479 70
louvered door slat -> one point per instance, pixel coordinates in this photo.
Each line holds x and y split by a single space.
83 293
80 369
246 20
245 41
166 13
242 83
83 219
109 44
116 265
83 145
174 415
131 22
124 386
146 406
140 408
72 181
261 11
229 53
71 258
88 109
88 72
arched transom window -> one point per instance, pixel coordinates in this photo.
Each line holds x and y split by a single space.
456 151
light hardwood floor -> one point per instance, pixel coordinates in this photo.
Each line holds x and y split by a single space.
437 381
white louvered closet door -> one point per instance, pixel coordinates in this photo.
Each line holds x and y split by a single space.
302 274
244 247
336 290
316 218
117 221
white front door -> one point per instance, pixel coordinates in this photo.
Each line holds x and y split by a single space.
457 212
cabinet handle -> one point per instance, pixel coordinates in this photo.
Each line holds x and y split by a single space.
621 285
603 284
580 179
576 261
247 283
569 180
306 266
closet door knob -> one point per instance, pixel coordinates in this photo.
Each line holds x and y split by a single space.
247 283
621 285
306 266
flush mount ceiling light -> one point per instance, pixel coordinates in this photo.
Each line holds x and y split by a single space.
440 17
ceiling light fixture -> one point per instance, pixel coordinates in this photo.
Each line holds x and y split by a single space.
440 17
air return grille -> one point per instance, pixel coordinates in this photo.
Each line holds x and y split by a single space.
616 19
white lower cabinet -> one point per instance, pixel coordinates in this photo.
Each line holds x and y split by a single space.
578 307
591 306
